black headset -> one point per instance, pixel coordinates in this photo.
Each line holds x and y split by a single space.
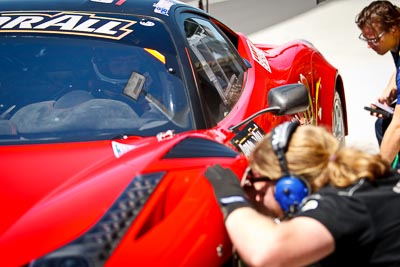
289 190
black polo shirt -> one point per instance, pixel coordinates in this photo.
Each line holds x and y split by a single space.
364 220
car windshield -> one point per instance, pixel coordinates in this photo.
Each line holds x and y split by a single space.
60 88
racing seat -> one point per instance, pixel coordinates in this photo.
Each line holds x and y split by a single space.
75 111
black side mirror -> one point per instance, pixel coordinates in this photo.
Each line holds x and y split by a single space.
282 100
290 98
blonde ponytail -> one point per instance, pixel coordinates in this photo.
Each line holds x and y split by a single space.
315 155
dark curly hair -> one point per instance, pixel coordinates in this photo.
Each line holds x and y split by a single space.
381 13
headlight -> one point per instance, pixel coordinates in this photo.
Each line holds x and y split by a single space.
95 246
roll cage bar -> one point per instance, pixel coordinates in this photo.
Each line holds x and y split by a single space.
201 5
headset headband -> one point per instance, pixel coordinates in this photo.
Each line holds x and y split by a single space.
280 138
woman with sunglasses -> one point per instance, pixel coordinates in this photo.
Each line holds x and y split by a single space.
379 23
306 201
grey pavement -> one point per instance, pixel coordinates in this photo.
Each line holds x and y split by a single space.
254 15
332 30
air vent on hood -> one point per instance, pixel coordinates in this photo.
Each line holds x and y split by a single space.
199 148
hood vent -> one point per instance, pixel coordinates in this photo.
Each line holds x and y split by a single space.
200 148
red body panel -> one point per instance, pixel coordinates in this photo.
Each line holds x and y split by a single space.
63 189
52 194
73 184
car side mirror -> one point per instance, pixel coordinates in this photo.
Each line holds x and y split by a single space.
289 98
282 100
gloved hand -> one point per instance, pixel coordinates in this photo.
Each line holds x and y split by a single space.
227 189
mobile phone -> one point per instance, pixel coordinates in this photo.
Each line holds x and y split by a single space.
385 113
389 109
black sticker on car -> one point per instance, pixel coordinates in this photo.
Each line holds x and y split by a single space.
248 137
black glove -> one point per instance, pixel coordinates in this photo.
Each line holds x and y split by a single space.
227 189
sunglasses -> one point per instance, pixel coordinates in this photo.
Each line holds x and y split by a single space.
249 178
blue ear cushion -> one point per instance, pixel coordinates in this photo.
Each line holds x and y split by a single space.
289 192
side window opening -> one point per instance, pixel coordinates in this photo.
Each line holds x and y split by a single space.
219 70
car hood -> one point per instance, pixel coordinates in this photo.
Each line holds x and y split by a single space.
39 180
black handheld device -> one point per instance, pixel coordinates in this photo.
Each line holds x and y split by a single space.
385 113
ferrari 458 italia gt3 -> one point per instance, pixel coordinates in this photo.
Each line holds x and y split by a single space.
110 112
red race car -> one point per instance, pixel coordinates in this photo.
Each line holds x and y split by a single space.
110 112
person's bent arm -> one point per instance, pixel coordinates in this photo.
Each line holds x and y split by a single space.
258 239
391 140
390 92
261 242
